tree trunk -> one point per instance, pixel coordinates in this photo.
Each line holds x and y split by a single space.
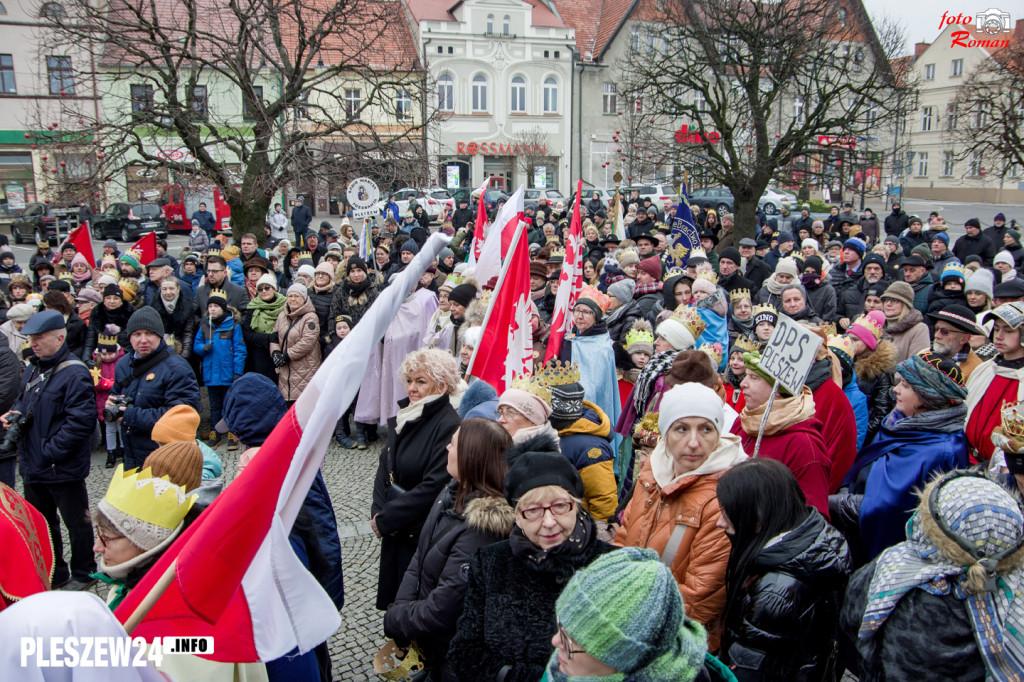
249 216
745 218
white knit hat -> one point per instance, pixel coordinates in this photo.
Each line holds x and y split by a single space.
982 281
266 278
787 265
1003 257
308 271
813 243
690 400
299 289
676 334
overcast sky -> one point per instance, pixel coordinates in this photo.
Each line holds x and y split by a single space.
921 17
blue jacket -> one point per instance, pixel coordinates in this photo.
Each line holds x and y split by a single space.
392 208
155 383
55 446
226 360
859 403
206 220
717 331
193 281
237 275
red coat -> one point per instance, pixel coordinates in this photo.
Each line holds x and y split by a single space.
838 430
801 448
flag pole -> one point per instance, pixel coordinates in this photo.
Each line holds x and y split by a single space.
764 419
151 598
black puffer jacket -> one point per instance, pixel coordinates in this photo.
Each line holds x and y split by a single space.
99 319
321 301
429 601
509 614
874 378
347 302
783 624
257 345
182 322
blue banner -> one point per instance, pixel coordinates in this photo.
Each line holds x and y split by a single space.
683 238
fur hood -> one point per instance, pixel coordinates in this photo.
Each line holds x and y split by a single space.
475 312
912 318
874 363
491 515
543 442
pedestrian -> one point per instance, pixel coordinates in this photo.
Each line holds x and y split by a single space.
301 218
207 221
278 222
296 351
56 411
591 349
177 309
258 322
105 357
219 343
787 572
17 315
198 240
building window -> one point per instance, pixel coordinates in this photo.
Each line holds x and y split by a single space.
948 164
250 114
506 26
974 167
922 164
929 72
403 105
353 103
952 114
958 68
52 10
61 78
142 102
518 95
798 110
634 39
981 114
609 103
926 118
479 92
490 25
550 95
446 93
700 102
7 85
841 16
440 49
200 103
871 115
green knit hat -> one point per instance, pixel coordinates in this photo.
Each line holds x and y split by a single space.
626 611
131 259
753 363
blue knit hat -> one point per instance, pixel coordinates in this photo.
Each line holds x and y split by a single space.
626 611
855 244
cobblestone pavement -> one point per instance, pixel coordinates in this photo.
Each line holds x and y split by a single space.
349 476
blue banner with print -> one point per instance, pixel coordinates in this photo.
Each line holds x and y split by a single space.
683 238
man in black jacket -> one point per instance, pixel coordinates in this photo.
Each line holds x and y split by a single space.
58 406
896 221
974 243
301 218
756 270
850 301
10 381
217 278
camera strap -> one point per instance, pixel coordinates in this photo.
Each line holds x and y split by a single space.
44 378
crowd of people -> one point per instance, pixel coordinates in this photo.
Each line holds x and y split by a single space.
604 515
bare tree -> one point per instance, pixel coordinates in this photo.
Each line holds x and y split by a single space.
758 83
645 141
530 149
252 96
989 113
74 168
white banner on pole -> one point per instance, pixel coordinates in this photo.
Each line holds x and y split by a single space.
790 353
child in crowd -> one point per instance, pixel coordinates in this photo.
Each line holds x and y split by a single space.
219 343
342 432
106 355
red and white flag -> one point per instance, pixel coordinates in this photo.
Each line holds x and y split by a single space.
80 239
235 575
146 246
495 251
507 341
480 227
569 282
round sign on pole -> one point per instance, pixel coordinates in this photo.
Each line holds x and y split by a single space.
362 194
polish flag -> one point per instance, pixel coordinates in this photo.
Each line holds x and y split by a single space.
147 247
495 251
80 239
232 574
569 282
481 223
507 338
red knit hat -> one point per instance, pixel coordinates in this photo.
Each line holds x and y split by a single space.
652 266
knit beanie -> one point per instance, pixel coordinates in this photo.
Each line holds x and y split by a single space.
179 423
145 318
357 263
1014 235
731 253
538 469
307 270
625 609
640 338
691 400
941 236
180 461
971 222
652 266
325 268
678 336
566 404
627 257
267 278
692 366
855 244
982 281
787 266
129 258
528 404
126 505
814 263
411 246
924 252
752 361
622 290
703 285
299 289
900 291
217 297
463 294
872 258
1002 257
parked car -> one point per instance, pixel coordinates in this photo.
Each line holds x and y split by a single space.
531 196
773 199
432 200
657 193
722 200
128 222
40 220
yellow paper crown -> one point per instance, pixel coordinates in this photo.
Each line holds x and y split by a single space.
841 344
649 423
713 351
828 329
67 276
673 272
698 253
737 294
133 493
1012 416
535 385
557 252
765 308
106 340
745 345
639 333
212 252
217 293
871 325
708 275
305 254
557 373
108 258
453 280
691 319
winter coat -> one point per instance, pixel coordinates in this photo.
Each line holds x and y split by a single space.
896 222
869 224
298 337
838 423
10 377
851 303
909 335
155 383
416 461
77 331
757 271
238 296
321 301
346 302
859 403
193 281
508 617
105 382
100 318
822 300
257 348
874 370
226 359
429 601
587 445
927 637
182 322
911 239
54 447
783 622
938 300
198 241
975 246
922 290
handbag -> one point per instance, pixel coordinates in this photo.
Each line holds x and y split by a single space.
399 664
394 490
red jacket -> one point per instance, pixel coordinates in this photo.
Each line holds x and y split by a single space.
801 448
838 430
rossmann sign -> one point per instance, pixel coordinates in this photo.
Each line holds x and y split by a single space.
501 149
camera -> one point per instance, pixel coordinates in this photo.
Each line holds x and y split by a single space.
9 446
993 21
111 413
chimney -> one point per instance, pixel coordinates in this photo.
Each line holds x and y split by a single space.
919 48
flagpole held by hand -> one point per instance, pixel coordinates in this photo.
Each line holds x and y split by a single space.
764 419
151 598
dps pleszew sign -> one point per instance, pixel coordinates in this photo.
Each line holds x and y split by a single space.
790 353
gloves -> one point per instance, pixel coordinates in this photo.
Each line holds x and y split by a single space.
279 358
90 363
207 347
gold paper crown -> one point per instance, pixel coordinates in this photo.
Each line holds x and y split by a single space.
871 325
534 385
649 423
557 373
954 266
108 258
737 294
592 294
212 252
639 333
453 280
217 293
67 276
34 296
557 252
765 308
1012 416
714 351
689 318
134 253
106 340
673 272
708 275
828 329
305 254
26 344
745 345
841 344
699 253
133 493
129 284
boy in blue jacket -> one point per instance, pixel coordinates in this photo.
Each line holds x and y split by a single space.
219 343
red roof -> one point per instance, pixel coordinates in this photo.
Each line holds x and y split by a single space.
443 10
595 21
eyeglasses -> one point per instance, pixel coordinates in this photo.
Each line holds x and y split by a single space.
940 331
105 540
211 270
507 413
556 509
583 312
566 639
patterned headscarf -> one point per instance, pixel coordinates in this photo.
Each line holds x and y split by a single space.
933 377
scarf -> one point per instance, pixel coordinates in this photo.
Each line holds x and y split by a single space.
546 561
946 420
785 412
250 286
413 411
642 289
525 434
79 278
265 313
728 453
169 306
657 366
773 285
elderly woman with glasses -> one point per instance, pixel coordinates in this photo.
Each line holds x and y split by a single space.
508 620
258 321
